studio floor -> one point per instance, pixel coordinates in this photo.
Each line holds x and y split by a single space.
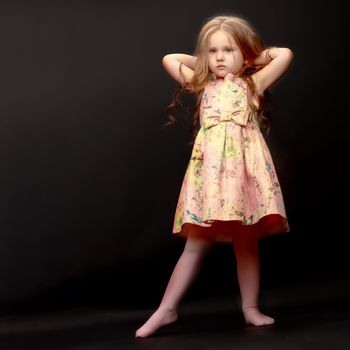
309 315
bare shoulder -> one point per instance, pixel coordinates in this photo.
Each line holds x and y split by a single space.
179 66
274 70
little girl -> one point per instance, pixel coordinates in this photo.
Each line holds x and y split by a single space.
230 192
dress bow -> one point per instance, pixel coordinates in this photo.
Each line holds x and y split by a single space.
228 102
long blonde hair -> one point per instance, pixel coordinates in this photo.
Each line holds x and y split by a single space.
251 46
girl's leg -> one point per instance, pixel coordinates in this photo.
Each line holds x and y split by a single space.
183 275
246 249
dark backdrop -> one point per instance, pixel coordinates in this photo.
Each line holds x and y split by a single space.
89 179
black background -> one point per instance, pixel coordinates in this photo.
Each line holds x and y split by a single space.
89 179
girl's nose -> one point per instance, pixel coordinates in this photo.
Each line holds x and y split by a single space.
219 55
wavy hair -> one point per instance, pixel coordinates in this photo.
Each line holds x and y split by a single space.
251 46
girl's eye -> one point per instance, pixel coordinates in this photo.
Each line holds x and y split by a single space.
227 50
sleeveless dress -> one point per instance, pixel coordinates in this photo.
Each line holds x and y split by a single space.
230 186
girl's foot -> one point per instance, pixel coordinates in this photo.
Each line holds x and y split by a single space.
160 318
253 316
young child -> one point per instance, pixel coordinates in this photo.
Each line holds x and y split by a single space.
230 192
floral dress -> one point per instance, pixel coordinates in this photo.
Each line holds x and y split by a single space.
230 186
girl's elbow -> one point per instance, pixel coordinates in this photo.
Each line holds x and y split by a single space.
165 60
289 53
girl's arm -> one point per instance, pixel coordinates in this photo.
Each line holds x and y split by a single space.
172 63
276 61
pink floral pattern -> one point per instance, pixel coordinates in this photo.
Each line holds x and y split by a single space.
230 178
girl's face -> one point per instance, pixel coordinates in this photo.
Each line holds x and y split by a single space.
224 55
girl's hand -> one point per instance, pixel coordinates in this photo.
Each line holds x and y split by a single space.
179 66
264 58
276 61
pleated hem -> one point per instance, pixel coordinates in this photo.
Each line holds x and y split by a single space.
225 231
